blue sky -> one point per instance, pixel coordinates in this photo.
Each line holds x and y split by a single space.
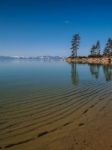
46 27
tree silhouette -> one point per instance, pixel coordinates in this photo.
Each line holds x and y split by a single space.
75 45
98 47
95 50
108 48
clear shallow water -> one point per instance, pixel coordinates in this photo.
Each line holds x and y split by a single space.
38 98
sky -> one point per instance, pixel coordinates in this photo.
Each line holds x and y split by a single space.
46 27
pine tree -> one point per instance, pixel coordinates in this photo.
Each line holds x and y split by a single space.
108 48
106 51
95 50
75 45
98 47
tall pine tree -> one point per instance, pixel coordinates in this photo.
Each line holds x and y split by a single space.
75 45
95 50
108 48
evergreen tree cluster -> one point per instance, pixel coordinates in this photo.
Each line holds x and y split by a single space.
95 50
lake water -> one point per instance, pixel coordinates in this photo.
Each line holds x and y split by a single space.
44 103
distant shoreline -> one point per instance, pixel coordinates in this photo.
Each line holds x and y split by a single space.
90 60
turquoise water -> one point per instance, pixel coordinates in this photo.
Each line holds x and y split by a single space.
36 96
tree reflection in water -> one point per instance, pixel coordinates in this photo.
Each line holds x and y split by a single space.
94 69
74 74
107 69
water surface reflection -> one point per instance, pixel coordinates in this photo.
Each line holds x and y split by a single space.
74 74
96 71
107 69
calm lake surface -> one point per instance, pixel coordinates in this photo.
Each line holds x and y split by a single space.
42 103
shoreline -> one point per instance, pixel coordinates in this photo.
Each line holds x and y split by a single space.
104 60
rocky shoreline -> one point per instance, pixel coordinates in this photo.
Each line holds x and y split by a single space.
91 60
